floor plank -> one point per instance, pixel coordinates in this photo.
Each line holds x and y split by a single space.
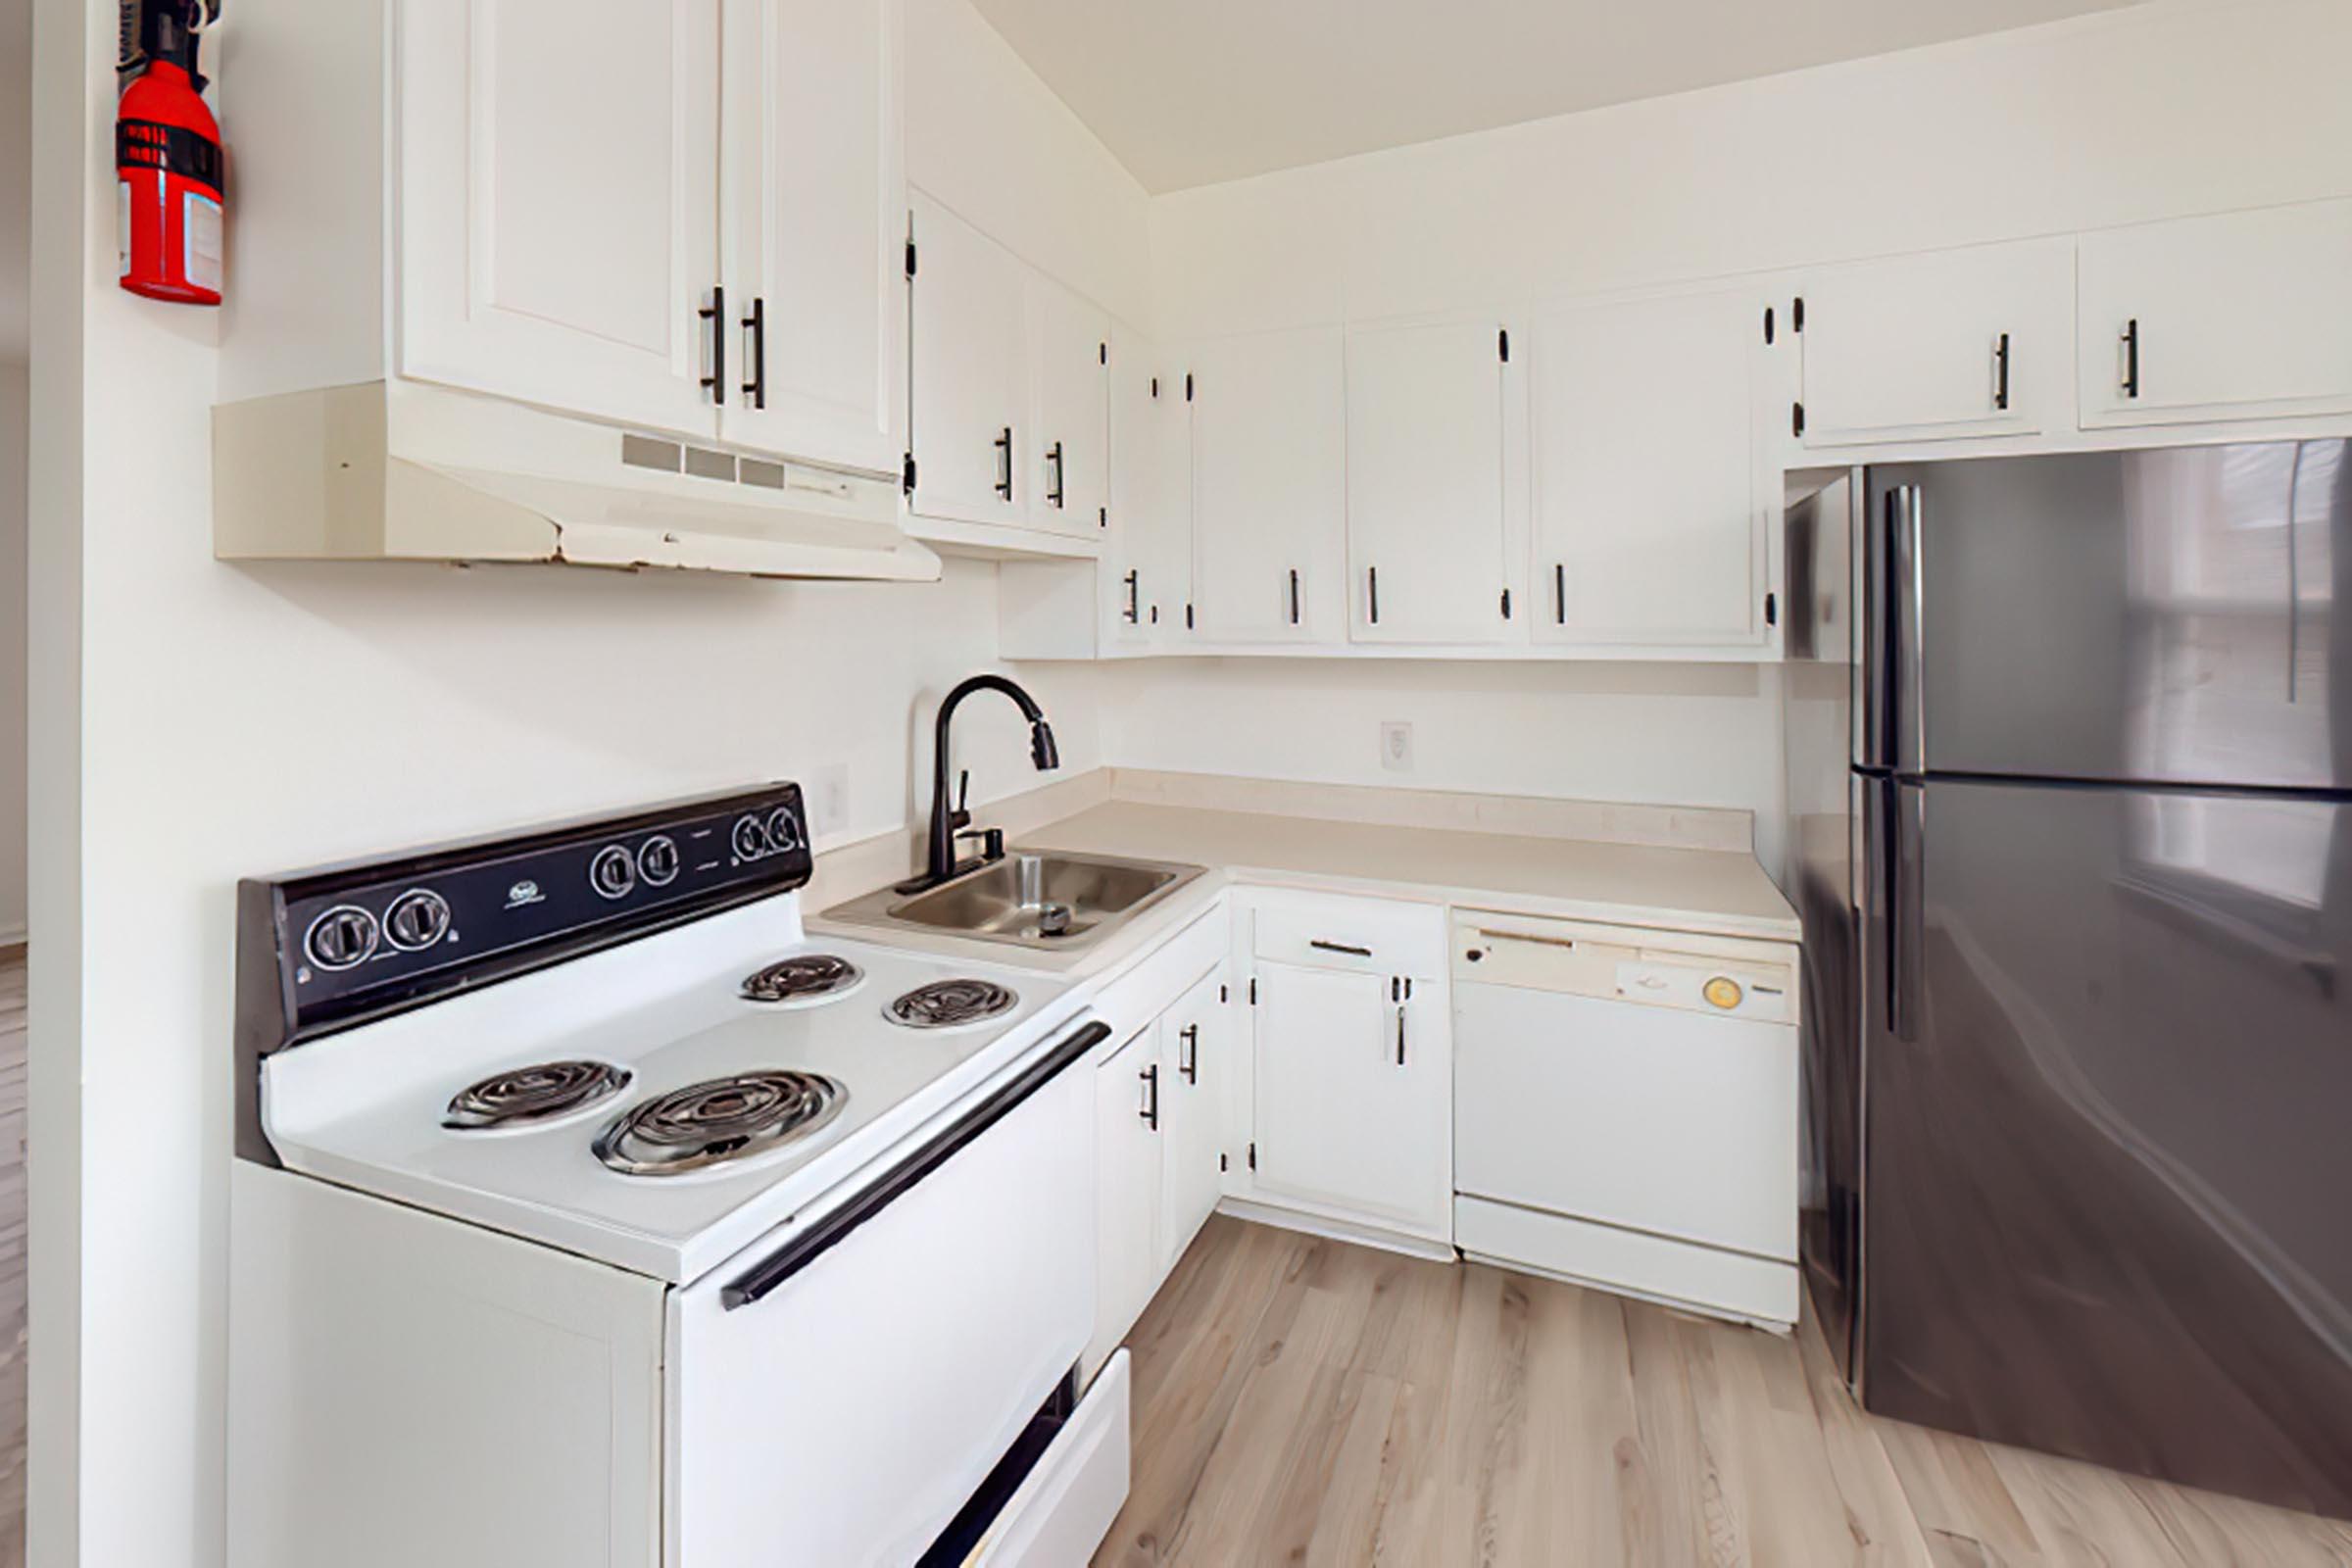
1301 1400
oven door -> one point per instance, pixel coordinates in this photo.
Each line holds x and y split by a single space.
838 1394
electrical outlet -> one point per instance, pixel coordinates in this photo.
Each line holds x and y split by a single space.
829 799
1396 746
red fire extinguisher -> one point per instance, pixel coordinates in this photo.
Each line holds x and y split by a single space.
167 161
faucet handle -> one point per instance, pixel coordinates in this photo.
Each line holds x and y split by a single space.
963 789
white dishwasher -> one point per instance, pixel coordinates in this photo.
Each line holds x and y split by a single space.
1626 1109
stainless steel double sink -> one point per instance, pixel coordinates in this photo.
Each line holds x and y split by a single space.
1045 899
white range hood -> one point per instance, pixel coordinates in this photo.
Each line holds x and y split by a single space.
399 470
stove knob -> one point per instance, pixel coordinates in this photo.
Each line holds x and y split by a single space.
783 829
416 919
750 839
611 874
340 938
657 861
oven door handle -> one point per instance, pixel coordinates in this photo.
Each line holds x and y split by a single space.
828 1232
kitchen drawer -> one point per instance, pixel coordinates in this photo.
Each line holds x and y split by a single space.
1758 1290
1066 1507
1369 936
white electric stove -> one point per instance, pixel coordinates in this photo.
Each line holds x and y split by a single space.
572 1164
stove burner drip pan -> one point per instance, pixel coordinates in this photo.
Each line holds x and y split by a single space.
951 1003
719 1120
527 1096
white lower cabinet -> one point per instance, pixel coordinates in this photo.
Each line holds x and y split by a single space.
1129 1165
1193 1054
1353 1115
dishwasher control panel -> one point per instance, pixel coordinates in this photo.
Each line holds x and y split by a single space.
1730 977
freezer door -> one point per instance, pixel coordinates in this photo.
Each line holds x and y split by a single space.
2162 616
2105 1149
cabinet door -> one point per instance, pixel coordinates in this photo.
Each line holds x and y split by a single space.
1352 1096
1069 455
1149 565
1269 483
1650 514
2241 316
1951 344
813 245
559 204
969 406
1192 1049
1425 535
1130 1110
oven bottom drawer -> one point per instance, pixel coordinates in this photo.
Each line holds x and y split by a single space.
846 1413
1063 1510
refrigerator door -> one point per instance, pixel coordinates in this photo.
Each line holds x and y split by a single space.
2160 616
2110 1057
1823 796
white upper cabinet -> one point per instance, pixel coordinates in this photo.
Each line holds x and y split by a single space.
1425 521
1269 487
969 408
1069 450
1646 473
1947 345
1148 576
2241 316
559 204
813 244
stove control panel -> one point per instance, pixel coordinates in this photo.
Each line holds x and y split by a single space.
358 941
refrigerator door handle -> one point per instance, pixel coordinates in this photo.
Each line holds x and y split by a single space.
1874 647
1906 721
1906 908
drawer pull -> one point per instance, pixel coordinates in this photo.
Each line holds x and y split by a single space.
1521 936
1321 946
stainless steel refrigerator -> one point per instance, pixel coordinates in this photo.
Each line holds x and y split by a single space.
2069 788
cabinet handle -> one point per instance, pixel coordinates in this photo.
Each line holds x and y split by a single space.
1134 613
1150 1111
1321 946
1188 1060
1372 586
1559 593
1400 1035
754 328
2131 341
1293 596
2000 373
1053 490
1004 444
717 315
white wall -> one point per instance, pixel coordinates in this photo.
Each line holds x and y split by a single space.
198 722
2177 106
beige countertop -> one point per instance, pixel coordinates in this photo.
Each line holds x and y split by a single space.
1718 891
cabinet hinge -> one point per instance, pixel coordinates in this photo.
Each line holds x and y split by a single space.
1506 603
1767 323
1224 993
1796 418
1796 314
1188 386
1155 386
1772 610
1223 1164
1254 1156
1503 344
1254 990
1102 517
909 256
1104 349
907 475
1188 614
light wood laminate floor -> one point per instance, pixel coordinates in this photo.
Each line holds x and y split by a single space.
1302 1401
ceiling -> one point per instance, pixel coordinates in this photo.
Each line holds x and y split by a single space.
1190 92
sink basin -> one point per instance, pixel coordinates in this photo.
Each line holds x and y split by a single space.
1034 899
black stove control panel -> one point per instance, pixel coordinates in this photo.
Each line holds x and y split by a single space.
321 950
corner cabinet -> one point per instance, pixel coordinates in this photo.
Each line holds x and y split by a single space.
2245 315
1269 486
1651 492
1352 1072
1147 579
